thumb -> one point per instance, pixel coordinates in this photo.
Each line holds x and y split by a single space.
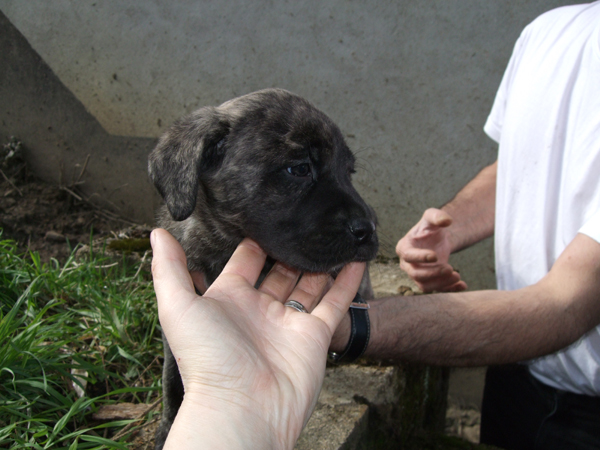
169 267
433 219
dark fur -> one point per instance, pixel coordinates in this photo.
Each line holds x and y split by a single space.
269 166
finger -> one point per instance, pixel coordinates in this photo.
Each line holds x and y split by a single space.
280 281
336 302
310 289
199 281
431 277
457 287
424 272
442 287
436 218
247 261
169 266
441 284
418 255
431 222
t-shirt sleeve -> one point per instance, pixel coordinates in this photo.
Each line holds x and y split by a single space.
592 227
493 125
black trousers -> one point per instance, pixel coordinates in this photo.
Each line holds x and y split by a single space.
519 412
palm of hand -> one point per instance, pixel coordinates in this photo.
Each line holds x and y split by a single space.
246 345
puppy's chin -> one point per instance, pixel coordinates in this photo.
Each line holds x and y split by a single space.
324 261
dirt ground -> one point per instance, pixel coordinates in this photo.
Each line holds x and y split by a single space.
52 220
46 218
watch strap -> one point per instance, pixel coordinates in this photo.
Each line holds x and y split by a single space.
360 332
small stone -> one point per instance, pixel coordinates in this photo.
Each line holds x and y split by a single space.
53 236
471 434
405 290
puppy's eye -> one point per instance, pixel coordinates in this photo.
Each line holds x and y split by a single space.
301 170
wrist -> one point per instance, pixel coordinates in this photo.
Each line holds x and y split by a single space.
205 421
342 335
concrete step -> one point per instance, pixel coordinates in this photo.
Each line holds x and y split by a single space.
363 406
331 426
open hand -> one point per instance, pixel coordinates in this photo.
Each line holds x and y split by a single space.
424 253
242 354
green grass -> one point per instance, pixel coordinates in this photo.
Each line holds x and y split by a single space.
93 315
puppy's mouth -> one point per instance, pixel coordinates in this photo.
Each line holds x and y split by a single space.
330 260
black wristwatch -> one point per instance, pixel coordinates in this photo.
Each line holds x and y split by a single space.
360 331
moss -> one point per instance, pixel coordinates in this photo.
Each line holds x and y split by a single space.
383 259
434 441
422 400
130 245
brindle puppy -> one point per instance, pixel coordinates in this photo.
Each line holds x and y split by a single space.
269 166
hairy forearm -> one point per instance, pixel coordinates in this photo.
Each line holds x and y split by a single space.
473 210
493 327
468 329
490 327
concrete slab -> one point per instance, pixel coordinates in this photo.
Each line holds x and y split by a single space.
334 427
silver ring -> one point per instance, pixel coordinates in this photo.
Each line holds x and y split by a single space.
296 305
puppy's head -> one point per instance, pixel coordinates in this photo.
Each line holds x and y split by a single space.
268 166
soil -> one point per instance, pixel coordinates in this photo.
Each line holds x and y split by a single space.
46 218
52 220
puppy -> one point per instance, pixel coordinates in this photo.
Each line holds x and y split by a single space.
269 166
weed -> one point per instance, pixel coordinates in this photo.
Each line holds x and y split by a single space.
73 336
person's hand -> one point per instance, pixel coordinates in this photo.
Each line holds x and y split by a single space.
252 368
424 253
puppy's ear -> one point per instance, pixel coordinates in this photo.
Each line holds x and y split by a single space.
193 144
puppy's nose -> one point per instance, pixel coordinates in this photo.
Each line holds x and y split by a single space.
362 229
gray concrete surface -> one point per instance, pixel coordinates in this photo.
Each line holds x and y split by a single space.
63 143
334 427
410 83
466 386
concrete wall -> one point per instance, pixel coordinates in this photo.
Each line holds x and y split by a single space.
63 143
410 83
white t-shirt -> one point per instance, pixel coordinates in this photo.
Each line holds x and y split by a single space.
546 119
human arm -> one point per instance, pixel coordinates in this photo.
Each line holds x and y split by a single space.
491 327
252 368
468 218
